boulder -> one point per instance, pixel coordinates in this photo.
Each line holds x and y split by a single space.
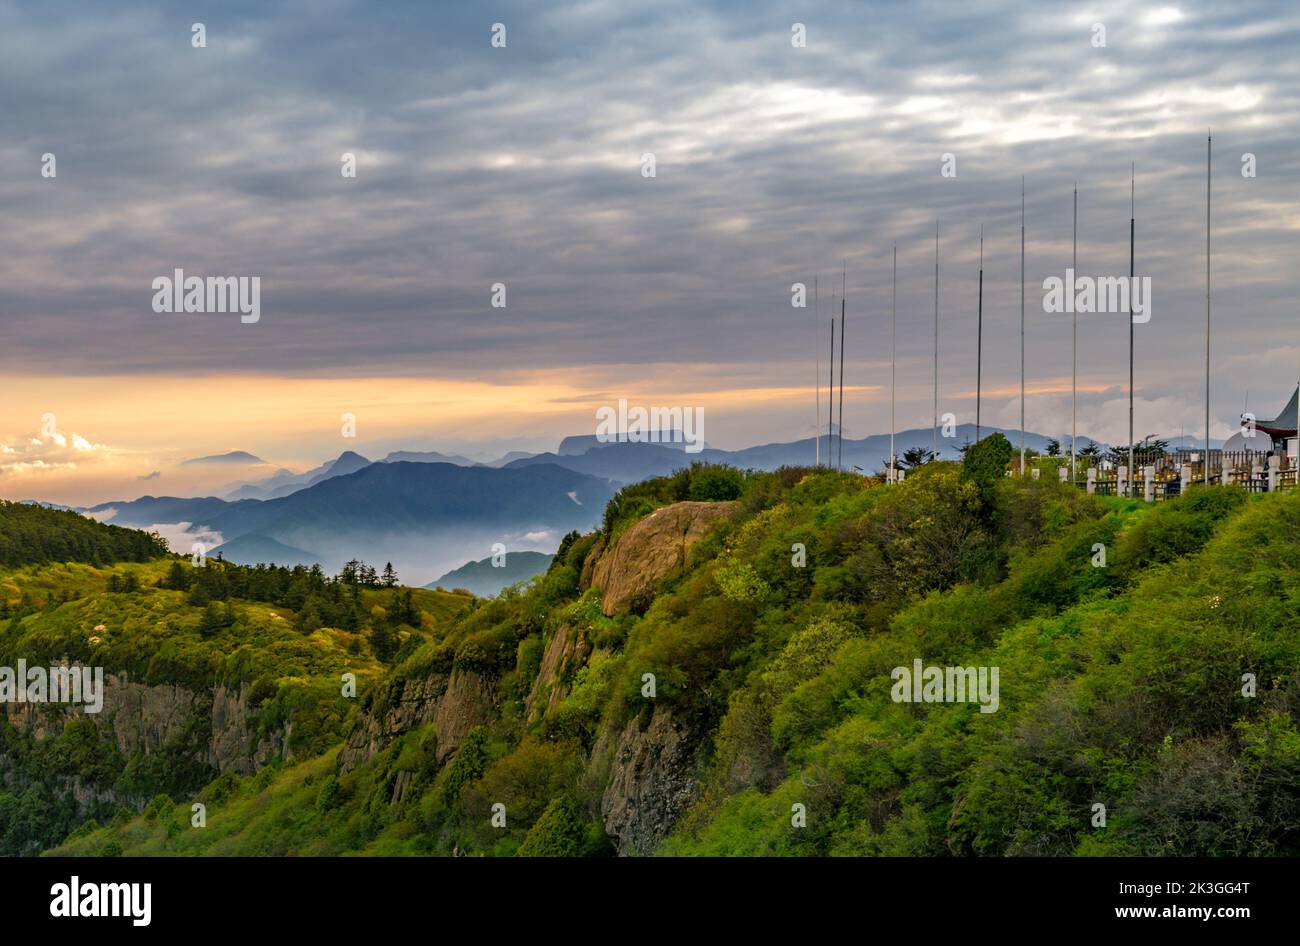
652 549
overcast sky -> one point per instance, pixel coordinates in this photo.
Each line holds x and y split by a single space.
523 165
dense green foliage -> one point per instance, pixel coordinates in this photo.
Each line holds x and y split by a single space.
190 631
319 600
1121 632
34 535
986 462
698 482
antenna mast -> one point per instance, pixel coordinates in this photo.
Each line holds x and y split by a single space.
1074 341
1022 326
1208 142
839 462
893 359
1132 237
979 339
934 430
830 387
817 344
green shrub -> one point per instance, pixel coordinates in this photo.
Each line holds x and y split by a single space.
986 462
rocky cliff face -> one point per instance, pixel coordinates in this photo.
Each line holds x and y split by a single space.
653 766
645 772
454 702
145 718
651 550
235 745
566 653
652 779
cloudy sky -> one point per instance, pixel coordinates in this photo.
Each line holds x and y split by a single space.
522 165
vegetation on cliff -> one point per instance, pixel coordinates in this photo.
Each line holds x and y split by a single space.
744 707
208 670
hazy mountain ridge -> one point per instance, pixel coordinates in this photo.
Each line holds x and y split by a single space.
625 463
485 579
234 458
307 532
424 517
428 517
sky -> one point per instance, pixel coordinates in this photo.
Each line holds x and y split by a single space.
523 165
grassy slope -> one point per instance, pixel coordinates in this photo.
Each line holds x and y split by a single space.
1132 701
1119 685
152 636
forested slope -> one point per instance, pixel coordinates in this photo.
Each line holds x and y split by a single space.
742 702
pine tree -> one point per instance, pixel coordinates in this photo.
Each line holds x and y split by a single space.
215 617
402 609
177 578
390 576
384 642
309 618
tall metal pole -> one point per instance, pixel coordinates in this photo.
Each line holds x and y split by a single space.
817 434
934 430
1074 341
830 422
1022 326
839 461
1208 141
979 340
1132 236
893 359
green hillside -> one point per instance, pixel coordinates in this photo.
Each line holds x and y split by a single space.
770 644
173 641
31 534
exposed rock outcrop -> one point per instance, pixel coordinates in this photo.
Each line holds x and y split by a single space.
651 550
235 745
589 563
455 703
653 778
146 718
565 654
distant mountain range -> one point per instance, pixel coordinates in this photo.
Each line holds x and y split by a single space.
576 445
428 456
284 482
234 458
430 512
624 463
485 579
152 510
423 517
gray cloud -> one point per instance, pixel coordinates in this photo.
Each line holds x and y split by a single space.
521 165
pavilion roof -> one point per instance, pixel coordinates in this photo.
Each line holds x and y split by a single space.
1285 421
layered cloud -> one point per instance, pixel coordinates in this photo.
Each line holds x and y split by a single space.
53 452
523 166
